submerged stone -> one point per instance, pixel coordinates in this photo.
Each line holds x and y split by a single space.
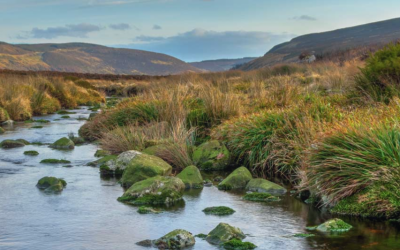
333 225
54 161
11 144
147 210
31 153
236 244
176 239
63 143
154 191
211 156
222 210
238 179
51 184
191 177
264 186
224 233
260 197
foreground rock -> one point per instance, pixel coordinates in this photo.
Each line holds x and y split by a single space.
154 191
238 179
11 144
264 186
191 177
63 143
177 239
137 167
211 156
224 233
51 184
331 226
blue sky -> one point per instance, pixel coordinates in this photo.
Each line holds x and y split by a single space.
190 30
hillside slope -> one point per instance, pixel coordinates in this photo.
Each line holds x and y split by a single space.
327 42
89 58
221 64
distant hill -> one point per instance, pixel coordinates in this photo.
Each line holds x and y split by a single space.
89 58
327 42
221 64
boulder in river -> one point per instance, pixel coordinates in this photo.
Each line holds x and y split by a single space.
221 210
331 226
236 244
63 143
238 179
224 233
31 153
137 167
154 191
51 184
11 144
264 186
211 156
191 176
177 239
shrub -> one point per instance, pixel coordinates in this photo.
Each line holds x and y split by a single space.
380 79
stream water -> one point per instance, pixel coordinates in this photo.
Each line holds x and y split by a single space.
87 215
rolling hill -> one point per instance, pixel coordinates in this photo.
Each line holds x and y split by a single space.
89 58
221 64
327 42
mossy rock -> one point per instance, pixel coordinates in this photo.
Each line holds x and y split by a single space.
65 112
192 178
11 144
54 161
63 143
77 140
147 210
201 236
236 244
260 185
211 156
177 239
154 191
25 142
101 153
238 179
2 131
65 117
332 226
221 210
260 197
31 153
224 233
140 167
51 184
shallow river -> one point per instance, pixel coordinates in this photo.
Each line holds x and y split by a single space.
87 215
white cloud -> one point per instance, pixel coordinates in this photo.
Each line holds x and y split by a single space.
304 18
120 26
71 30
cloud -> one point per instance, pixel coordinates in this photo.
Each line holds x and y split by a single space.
200 44
71 30
157 27
304 18
120 26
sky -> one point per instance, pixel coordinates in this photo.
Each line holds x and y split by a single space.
191 30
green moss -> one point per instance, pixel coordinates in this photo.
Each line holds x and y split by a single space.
147 210
25 142
211 156
63 143
236 244
224 233
201 236
11 144
303 235
37 121
54 161
238 179
51 184
222 210
65 112
191 176
37 127
264 186
101 153
142 167
32 153
260 197
333 225
65 117
380 200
